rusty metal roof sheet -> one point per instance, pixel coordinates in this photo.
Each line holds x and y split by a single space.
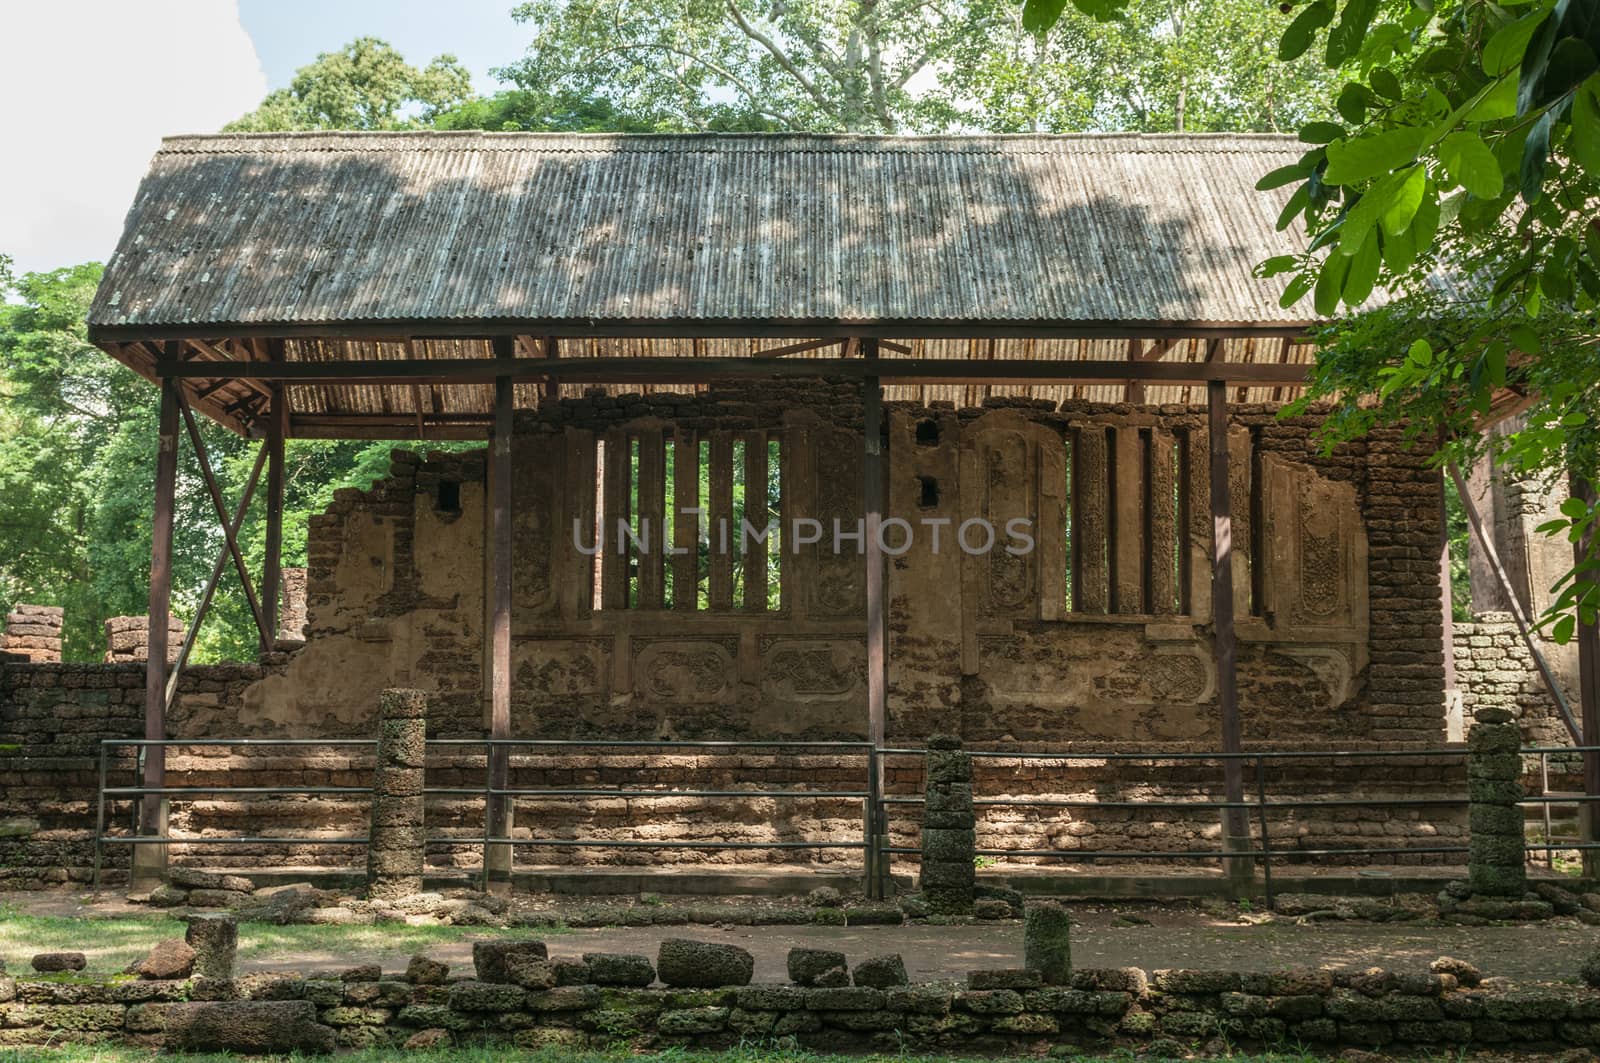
302 230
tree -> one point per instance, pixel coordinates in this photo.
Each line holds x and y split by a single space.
1164 66
530 111
364 85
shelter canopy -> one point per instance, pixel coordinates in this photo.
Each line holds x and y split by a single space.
258 251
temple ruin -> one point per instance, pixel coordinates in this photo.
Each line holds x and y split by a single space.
883 343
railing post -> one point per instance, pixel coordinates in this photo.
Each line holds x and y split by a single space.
395 841
1266 841
872 854
99 821
1497 860
949 835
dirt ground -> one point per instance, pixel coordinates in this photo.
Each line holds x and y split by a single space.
1178 935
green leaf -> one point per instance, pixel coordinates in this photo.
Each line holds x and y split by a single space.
1584 143
1295 290
1420 353
1385 84
1525 338
1350 161
1400 249
1426 223
1499 102
1299 33
1562 632
1292 209
1330 284
1505 48
1494 364
1535 154
1404 201
1362 275
1344 40
1321 132
1352 103
1470 163
1574 508
1283 175
1364 215
1275 265
1039 15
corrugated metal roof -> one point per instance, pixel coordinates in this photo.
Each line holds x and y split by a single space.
387 228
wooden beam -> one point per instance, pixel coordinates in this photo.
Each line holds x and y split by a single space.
674 370
223 555
872 495
272 576
497 862
1235 826
150 861
552 383
214 489
799 348
686 504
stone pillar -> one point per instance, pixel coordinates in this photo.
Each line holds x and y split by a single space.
292 607
128 639
1047 941
395 851
33 634
215 940
948 829
1497 864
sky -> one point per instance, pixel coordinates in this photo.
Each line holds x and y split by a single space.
89 87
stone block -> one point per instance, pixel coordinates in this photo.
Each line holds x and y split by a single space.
1047 941
489 956
250 1026
880 972
694 964
618 969
486 996
215 940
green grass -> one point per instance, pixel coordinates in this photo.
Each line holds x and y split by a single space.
112 942
742 1054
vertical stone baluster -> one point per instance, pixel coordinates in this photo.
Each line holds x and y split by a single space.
948 829
395 851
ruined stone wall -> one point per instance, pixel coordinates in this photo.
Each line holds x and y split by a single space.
1338 625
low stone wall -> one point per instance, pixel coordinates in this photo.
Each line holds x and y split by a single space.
1167 1011
53 717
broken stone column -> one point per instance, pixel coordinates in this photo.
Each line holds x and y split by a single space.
128 639
33 633
948 829
1047 941
1497 863
215 941
395 851
292 605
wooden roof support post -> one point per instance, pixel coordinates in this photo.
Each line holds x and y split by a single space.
872 476
272 566
149 861
1235 824
497 858
1588 693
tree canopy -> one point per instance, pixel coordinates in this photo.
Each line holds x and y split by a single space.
366 84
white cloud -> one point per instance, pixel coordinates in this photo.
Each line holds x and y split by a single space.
87 90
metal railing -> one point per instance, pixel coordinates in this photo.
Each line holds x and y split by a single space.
870 843
137 793
1253 844
1258 847
873 864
